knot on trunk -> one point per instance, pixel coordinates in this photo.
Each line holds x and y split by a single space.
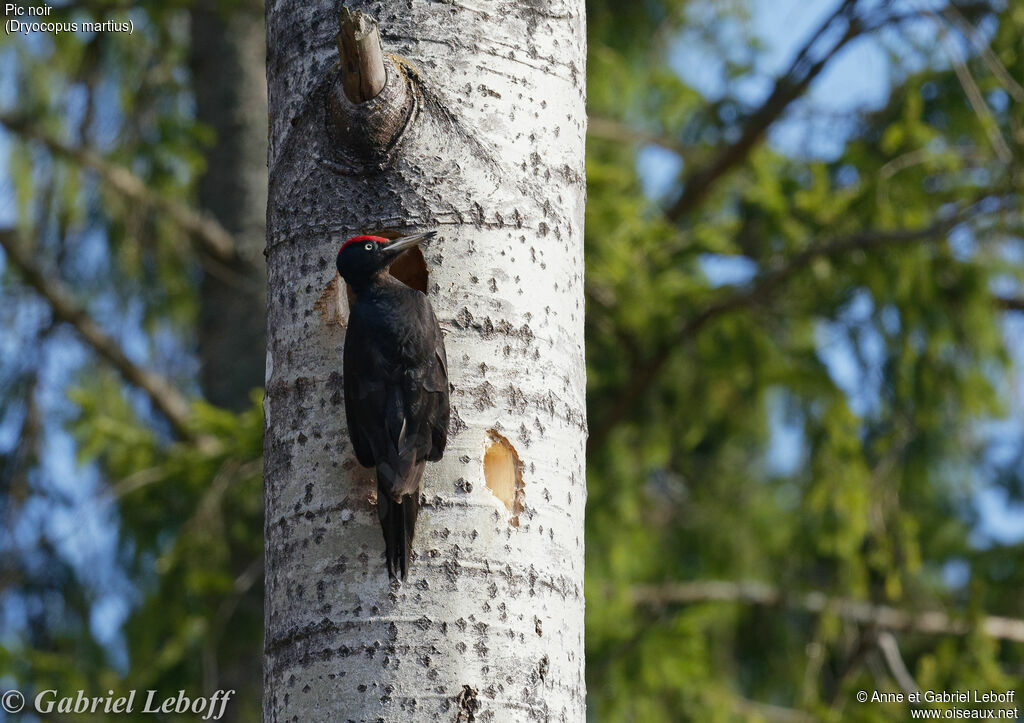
372 105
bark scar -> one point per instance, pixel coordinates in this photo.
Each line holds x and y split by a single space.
333 304
503 474
468 704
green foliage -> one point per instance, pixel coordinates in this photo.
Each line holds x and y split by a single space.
191 529
880 499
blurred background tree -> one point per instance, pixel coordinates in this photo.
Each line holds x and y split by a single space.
804 266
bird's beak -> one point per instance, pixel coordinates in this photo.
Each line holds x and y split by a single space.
404 243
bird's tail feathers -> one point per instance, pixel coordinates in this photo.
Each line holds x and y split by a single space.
398 521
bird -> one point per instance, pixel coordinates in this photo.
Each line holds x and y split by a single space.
395 374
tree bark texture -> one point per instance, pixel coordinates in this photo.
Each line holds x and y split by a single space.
227 58
483 141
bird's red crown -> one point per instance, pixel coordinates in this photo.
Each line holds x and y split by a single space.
360 239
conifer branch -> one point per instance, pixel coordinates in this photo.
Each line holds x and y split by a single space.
171 403
885 617
758 291
211 237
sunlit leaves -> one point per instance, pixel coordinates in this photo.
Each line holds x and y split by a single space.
888 358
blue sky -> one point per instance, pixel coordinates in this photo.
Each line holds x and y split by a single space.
857 79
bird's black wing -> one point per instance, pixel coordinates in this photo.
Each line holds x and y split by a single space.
436 383
365 390
396 393
419 432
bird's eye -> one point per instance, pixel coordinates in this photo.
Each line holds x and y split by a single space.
368 247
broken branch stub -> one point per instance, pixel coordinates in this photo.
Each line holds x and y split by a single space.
372 104
362 56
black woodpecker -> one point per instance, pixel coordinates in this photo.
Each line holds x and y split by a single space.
396 385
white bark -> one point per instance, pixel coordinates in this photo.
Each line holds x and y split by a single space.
490 623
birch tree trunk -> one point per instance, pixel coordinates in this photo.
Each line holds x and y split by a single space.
478 134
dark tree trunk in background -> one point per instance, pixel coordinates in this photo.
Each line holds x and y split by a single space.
229 77
228 61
